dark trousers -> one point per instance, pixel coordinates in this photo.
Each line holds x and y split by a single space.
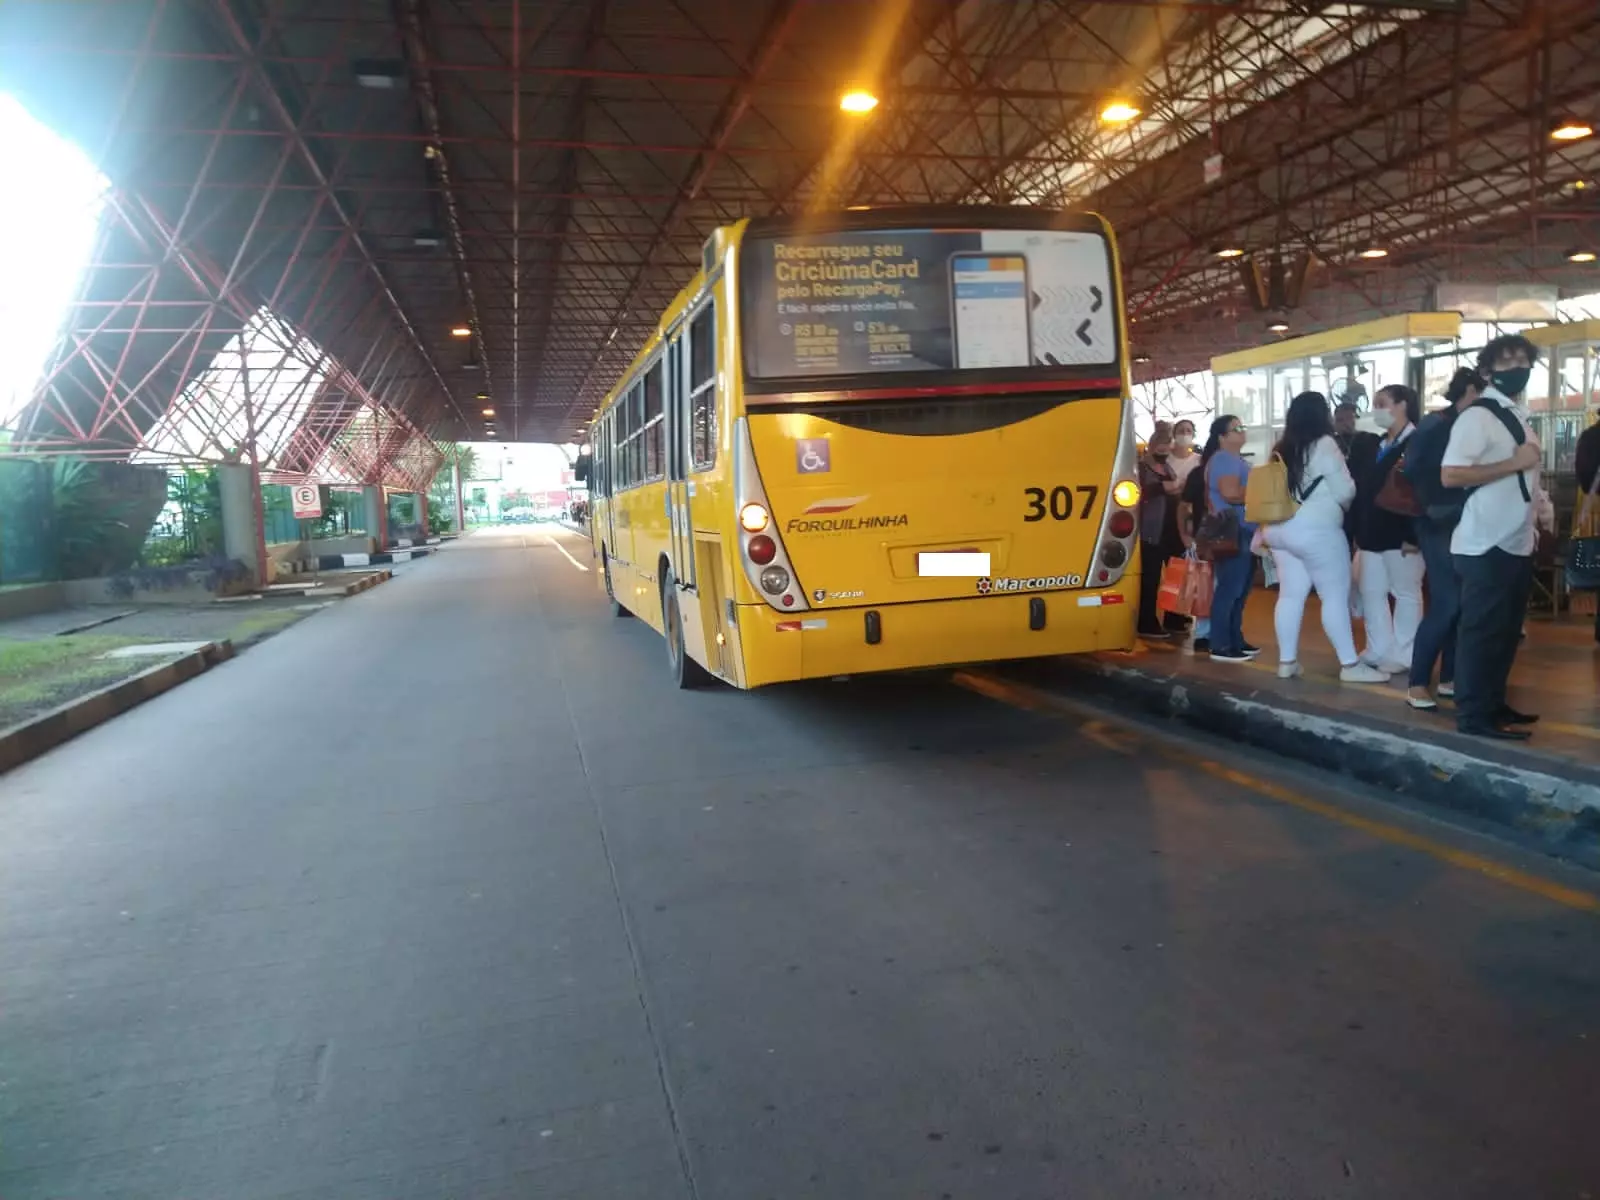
1150 565
1436 636
1494 600
1233 579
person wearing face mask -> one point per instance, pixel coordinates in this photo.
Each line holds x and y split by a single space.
1390 565
1158 525
1184 458
1494 454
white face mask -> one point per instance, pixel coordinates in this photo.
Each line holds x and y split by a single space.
1184 441
1383 418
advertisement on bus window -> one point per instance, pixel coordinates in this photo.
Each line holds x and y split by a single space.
889 301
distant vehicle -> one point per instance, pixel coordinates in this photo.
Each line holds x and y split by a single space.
873 441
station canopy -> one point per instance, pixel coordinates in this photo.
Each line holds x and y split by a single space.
433 208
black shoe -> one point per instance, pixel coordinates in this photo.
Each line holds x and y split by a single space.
1202 645
1476 729
1510 716
1154 635
1231 656
1250 651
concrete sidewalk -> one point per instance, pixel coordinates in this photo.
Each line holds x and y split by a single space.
1547 788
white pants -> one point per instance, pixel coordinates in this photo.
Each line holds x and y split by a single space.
1391 636
1311 555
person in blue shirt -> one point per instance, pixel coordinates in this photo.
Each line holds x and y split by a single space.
1226 473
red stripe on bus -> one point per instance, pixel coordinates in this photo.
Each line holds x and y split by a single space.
963 389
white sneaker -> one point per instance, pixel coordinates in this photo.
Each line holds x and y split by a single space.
1290 670
1361 673
1395 668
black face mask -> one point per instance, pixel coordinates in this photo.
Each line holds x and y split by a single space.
1512 381
1159 455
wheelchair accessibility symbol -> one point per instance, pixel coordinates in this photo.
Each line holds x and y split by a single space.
812 457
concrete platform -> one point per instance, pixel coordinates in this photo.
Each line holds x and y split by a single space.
1547 788
583 936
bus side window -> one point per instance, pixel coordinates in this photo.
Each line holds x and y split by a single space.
653 417
702 387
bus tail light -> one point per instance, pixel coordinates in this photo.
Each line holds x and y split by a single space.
1120 524
766 562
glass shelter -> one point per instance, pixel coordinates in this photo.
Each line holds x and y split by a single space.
1350 363
1565 389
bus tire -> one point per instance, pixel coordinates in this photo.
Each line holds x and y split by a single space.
618 609
686 673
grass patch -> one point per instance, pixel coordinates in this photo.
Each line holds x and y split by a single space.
38 675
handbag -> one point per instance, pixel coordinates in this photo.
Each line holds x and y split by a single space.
1219 534
1398 496
1583 552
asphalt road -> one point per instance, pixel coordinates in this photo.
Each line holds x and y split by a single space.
444 893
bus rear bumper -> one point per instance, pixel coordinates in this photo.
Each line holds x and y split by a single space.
824 643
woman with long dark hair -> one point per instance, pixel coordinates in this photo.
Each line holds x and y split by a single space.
1310 547
1226 473
1390 563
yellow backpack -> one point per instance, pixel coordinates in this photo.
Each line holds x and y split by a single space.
1267 499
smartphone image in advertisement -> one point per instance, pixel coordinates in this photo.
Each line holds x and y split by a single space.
990 300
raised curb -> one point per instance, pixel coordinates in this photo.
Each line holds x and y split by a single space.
1555 804
337 562
362 585
22 743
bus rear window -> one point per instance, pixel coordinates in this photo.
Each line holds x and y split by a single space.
887 302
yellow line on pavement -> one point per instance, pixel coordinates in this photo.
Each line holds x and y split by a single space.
1020 695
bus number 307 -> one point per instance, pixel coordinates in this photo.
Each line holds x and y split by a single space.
1057 503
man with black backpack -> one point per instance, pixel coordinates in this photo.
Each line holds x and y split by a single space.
1435 524
1493 455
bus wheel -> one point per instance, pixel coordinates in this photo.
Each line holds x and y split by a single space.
617 609
686 673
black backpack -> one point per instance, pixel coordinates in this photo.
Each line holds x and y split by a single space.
1422 465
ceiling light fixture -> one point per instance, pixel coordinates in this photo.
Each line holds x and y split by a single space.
1581 256
858 102
379 74
1227 251
1120 112
488 412
1374 252
427 239
1571 129
460 331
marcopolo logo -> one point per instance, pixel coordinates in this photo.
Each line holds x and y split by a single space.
1038 583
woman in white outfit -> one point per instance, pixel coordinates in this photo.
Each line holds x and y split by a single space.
1310 548
1390 566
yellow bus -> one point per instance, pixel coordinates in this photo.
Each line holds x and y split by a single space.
877 440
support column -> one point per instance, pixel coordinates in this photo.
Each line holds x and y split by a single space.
244 535
422 516
455 484
377 515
